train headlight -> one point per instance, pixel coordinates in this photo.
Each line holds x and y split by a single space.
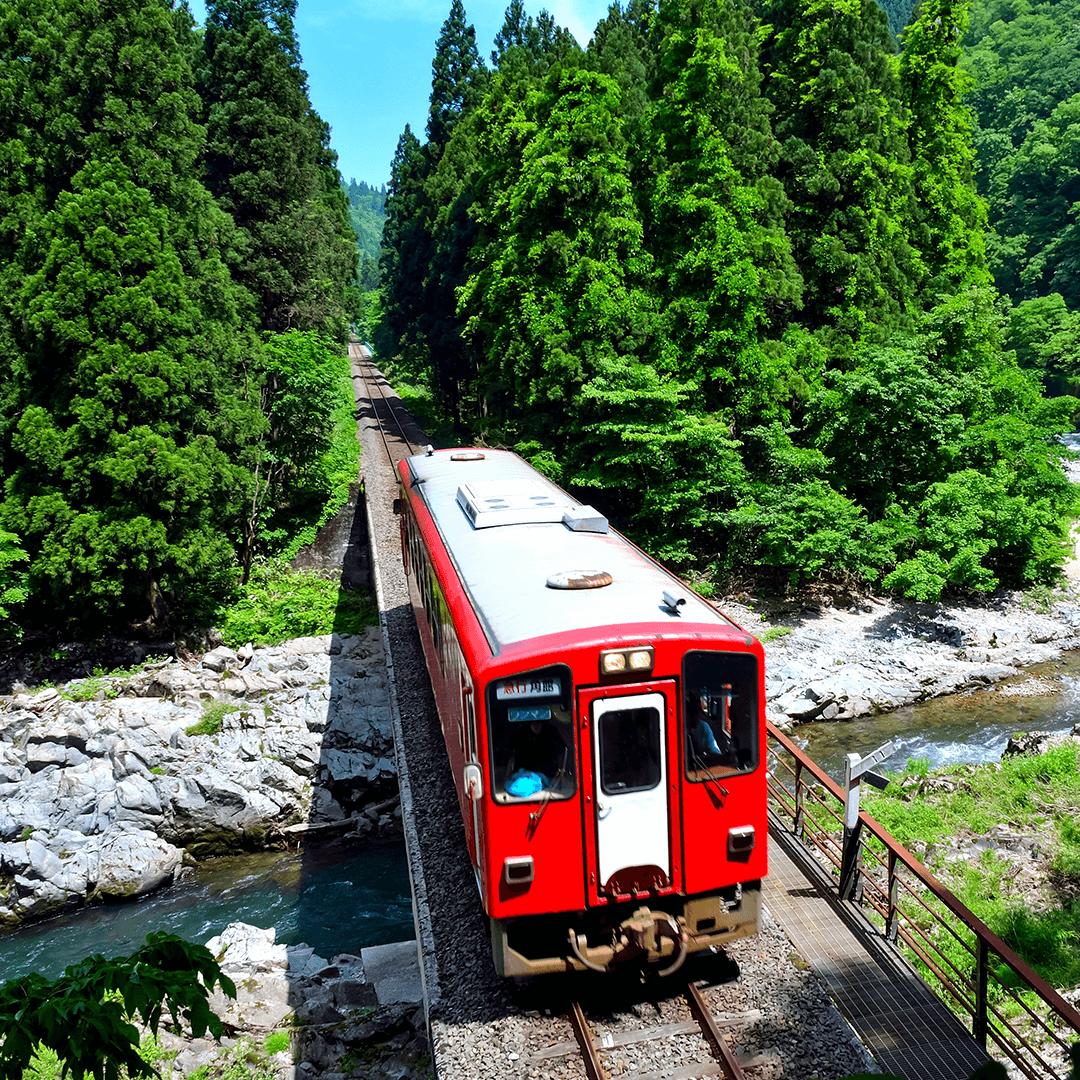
612 663
620 661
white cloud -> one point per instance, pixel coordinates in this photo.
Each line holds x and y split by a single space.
579 16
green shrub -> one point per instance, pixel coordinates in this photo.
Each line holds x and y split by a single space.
276 1041
13 589
80 1022
213 717
279 603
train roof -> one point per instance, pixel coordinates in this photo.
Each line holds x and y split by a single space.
510 532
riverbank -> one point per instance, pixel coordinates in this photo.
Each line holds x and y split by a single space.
298 1015
824 661
110 784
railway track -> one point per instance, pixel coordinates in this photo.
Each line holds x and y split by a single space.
704 1026
767 1011
391 418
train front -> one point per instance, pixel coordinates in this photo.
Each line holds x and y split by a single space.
627 815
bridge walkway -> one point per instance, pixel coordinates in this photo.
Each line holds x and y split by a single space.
909 1031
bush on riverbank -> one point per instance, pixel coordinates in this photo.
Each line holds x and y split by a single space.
279 603
1026 807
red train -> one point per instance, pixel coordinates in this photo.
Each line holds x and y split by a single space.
604 723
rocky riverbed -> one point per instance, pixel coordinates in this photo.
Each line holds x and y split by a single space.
832 662
297 1015
109 784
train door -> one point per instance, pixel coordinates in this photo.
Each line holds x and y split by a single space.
630 755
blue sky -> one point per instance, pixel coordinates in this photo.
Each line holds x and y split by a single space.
369 65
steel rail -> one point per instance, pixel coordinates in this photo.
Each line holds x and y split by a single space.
593 1067
378 396
717 1042
699 1009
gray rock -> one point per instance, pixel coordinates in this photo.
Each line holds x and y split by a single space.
136 862
220 659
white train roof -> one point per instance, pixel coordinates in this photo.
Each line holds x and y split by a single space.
509 530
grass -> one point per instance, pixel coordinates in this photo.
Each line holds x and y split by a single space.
1034 795
101 681
244 1060
213 717
276 1041
774 632
279 603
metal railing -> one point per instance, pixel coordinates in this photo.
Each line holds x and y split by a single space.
1012 1012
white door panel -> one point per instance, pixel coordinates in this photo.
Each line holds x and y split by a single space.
630 766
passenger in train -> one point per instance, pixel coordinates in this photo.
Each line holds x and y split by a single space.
537 757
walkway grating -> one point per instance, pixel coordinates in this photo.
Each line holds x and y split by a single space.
909 1031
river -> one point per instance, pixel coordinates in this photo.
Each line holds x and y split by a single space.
951 730
335 897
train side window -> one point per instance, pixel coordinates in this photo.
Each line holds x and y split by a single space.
531 736
720 713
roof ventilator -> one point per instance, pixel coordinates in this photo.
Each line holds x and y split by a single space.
585 519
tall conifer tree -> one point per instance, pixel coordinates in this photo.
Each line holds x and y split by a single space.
844 163
116 479
458 76
269 164
405 253
714 220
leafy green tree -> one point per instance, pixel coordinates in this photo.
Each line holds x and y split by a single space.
85 1015
641 446
268 163
972 525
12 580
890 425
366 214
844 164
1023 55
951 218
1038 209
306 377
1046 337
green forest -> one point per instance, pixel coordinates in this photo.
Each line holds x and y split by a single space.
781 294
179 272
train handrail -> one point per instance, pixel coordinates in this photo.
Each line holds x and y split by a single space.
791 805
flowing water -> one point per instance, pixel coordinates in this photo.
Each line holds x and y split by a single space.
951 730
336 897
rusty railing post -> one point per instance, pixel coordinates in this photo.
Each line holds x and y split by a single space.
892 921
797 827
979 1025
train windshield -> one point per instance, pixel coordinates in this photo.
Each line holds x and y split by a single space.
531 734
720 713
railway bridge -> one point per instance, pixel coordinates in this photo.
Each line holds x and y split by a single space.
827 988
